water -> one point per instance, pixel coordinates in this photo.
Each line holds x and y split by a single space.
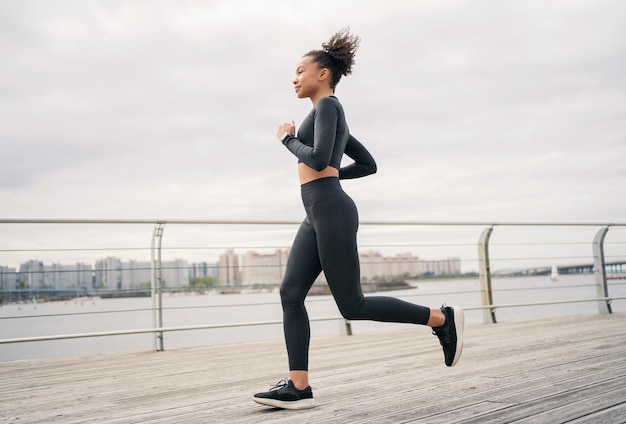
96 315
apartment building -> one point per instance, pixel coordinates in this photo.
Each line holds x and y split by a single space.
229 273
113 274
31 275
203 269
448 266
67 277
258 268
8 278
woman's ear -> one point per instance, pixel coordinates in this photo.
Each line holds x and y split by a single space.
324 73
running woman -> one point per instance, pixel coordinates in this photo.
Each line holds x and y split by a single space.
327 238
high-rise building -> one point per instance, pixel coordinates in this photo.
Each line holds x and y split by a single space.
175 274
31 275
134 274
448 266
229 273
372 264
202 270
68 277
258 268
108 274
8 278
402 264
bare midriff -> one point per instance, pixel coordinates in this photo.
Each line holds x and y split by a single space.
308 174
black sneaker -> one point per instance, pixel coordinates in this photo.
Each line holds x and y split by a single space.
285 395
451 334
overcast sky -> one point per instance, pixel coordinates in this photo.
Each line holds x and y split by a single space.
474 110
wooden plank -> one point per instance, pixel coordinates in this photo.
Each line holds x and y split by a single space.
460 404
589 405
516 370
612 415
552 407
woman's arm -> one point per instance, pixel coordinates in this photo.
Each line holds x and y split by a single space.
364 163
319 155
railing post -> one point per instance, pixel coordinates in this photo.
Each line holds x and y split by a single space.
489 315
345 327
156 284
602 289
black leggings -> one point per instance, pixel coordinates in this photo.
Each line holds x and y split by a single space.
326 241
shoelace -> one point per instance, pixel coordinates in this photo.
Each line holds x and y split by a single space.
444 338
442 335
282 383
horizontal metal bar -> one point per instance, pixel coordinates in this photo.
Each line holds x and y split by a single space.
118 311
258 323
558 302
404 296
151 330
145 221
170 308
288 222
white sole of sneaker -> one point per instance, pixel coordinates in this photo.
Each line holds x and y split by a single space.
459 323
296 404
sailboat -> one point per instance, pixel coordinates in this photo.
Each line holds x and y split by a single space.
554 273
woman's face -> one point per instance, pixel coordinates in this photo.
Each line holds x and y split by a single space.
309 78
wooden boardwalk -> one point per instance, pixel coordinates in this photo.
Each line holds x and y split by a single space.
559 370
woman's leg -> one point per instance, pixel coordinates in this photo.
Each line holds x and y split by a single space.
302 269
336 225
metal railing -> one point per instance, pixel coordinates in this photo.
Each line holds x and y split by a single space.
603 298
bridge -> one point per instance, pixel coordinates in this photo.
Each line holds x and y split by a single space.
615 267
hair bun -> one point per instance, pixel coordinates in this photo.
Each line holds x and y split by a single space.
342 47
337 54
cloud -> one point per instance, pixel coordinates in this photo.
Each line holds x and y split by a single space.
474 111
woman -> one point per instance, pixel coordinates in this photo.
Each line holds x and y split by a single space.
326 240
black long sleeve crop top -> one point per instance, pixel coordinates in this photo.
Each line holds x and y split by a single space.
324 137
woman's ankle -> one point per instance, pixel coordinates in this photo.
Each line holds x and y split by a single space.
436 319
300 379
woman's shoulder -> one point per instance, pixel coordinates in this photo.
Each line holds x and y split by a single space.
329 102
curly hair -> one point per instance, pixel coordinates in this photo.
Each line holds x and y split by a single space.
337 54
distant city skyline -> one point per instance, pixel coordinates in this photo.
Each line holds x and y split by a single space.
232 269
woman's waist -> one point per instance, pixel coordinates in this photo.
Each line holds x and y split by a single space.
322 190
308 174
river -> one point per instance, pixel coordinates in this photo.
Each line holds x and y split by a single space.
97 315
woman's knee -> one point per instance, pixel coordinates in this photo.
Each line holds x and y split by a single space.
350 310
289 295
